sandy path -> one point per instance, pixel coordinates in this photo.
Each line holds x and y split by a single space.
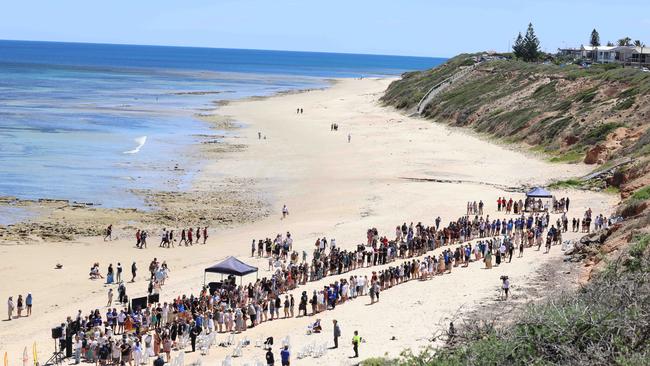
333 188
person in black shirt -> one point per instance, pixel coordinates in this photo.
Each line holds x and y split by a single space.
134 269
193 334
303 304
159 361
104 351
270 360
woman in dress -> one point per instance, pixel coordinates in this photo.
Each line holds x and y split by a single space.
128 324
488 259
167 347
156 343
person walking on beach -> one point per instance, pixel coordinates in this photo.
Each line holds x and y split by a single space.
505 286
10 307
28 302
110 297
109 232
285 212
143 239
118 277
337 333
349 138
205 234
134 269
356 339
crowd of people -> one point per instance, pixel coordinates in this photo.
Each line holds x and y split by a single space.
159 327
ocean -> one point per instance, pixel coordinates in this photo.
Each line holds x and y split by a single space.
92 122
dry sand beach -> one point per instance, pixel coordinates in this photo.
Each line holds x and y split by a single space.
332 188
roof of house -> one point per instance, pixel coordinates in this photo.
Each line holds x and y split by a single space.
597 48
643 50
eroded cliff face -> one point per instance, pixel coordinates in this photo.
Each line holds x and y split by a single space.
593 115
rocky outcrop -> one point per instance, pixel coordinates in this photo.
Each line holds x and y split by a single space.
597 155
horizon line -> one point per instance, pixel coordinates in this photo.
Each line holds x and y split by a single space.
218 48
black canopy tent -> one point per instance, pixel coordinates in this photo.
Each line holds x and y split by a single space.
534 199
538 192
230 266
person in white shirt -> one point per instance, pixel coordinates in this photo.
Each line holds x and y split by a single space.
165 314
10 307
285 211
121 318
77 350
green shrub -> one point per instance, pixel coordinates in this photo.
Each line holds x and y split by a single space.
573 156
599 133
545 90
630 92
563 105
586 96
641 194
568 183
625 103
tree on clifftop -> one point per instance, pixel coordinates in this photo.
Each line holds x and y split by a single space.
531 45
527 48
595 38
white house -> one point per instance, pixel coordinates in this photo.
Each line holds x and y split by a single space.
599 54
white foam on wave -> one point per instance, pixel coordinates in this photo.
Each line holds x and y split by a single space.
140 141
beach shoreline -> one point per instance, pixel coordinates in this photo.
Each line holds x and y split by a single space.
333 187
37 219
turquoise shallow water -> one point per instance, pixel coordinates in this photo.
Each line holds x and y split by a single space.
69 112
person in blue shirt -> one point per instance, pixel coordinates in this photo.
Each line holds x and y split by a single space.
28 302
285 356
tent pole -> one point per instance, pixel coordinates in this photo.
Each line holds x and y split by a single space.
204 274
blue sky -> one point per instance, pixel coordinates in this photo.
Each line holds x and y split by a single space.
399 27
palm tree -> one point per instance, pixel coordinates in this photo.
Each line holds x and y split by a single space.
625 41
